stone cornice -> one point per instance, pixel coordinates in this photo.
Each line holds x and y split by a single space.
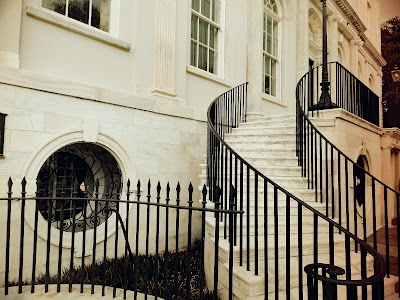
391 138
351 15
371 48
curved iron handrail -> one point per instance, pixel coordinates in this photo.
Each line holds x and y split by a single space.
349 93
225 164
323 163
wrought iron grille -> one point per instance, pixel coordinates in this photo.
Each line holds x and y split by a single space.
72 172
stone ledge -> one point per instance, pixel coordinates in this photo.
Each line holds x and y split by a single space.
344 115
75 26
35 81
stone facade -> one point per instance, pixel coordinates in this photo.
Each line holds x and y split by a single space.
134 92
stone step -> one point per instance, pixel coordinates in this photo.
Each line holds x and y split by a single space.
260 137
259 150
288 183
266 129
279 171
286 118
243 224
283 161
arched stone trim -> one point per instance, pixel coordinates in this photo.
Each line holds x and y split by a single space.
342 54
367 159
371 82
360 70
37 159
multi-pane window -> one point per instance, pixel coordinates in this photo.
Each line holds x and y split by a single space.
95 13
204 34
270 48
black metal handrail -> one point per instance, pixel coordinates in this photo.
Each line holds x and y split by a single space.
254 191
347 92
339 182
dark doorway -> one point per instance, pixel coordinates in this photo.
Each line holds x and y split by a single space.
359 180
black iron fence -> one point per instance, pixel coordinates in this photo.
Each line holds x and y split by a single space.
278 234
148 240
356 199
347 92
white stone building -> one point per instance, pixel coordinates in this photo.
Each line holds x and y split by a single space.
134 78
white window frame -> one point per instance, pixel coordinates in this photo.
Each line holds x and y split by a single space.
218 48
113 22
277 58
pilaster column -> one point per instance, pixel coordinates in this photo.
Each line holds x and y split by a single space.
255 18
164 47
355 44
302 38
333 33
10 31
388 179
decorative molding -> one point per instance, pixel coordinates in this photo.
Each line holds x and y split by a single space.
351 15
315 49
357 42
371 49
164 47
76 26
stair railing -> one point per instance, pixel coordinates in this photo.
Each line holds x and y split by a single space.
279 234
356 199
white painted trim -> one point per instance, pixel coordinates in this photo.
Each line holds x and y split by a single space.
273 99
76 26
206 75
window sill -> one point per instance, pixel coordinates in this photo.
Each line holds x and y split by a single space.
75 26
206 75
273 100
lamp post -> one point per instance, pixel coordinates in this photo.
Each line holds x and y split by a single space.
325 98
396 78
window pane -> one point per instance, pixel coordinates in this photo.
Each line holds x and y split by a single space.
205 8
274 53
194 27
193 53
269 24
101 14
203 32
273 68
266 84
273 87
216 6
55 5
267 65
212 55
79 10
264 39
269 44
213 37
202 64
196 5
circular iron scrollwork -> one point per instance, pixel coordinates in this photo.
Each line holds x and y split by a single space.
71 173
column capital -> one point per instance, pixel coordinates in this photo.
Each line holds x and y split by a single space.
334 18
356 42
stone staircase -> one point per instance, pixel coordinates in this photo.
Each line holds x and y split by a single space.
269 145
